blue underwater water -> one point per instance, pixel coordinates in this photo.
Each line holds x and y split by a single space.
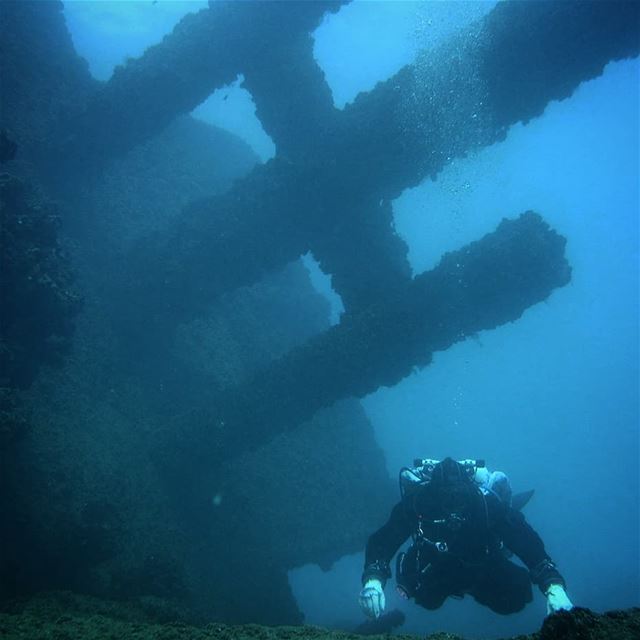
552 399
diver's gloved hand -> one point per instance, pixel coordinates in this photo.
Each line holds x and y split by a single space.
557 599
371 598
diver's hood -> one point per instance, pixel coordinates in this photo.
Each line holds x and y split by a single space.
449 491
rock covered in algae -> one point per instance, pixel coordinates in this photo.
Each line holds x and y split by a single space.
67 616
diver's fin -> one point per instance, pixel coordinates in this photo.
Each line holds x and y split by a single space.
519 500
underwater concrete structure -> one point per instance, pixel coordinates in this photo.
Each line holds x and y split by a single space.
483 285
336 172
185 443
329 192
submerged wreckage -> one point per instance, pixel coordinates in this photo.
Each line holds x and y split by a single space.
328 191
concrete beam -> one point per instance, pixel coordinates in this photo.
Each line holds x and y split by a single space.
483 285
465 95
205 51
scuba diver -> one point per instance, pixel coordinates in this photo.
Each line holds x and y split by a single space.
465 524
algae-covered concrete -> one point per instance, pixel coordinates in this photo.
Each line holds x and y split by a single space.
451 102
479 287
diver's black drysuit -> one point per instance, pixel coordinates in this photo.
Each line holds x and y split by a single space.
465 552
